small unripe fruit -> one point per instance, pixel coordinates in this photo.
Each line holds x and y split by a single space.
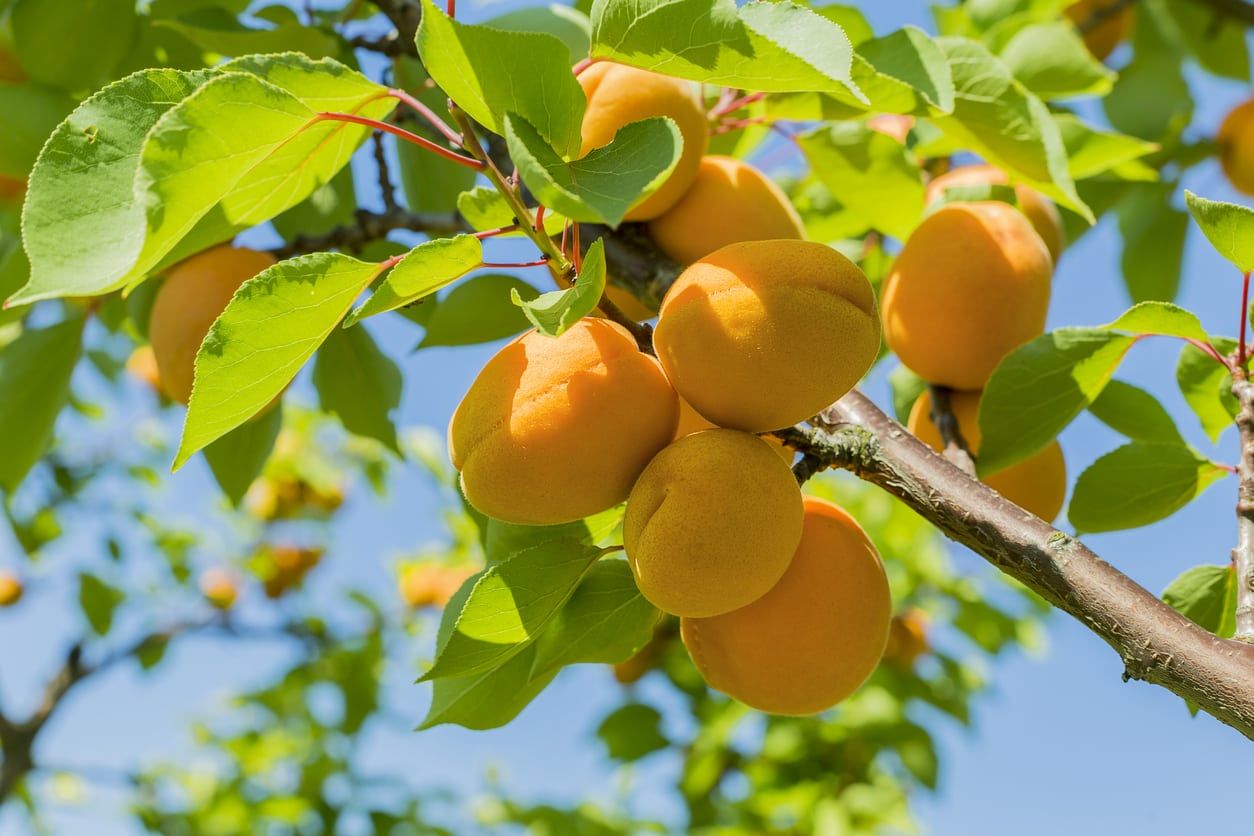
618 95
815 637
1037 484
971 285
195 293
219 588
1039 209
1106 33
1236 147
729 201
555 429
712 523
734 325
907 639
11 589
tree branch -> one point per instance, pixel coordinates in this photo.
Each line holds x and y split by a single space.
942 415
1156 643
1243 554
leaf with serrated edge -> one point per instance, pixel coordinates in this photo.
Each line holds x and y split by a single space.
602 186
237 458
425 269
1207 386
486 700
554 312
606 620
510 604
272 325
1040 387
1161 319
1133 412
774 47
491 72
1228 226
1206 595
360 384
1138 484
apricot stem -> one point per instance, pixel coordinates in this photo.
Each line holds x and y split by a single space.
942 415
511 265
724 108
421 142
500 230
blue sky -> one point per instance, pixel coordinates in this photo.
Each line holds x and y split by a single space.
1061 743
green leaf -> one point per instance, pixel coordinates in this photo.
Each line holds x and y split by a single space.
479 310
74 46
1138 484
1207 387
631 732
571 26
490 72
1050 60
237 458
1132 411
1215 40
425 269
430 182
1228 226
773 47
1151 98
35 372
30 114
554 312
486 700
330 205
860 166
501 540
219 31
98 601
606 620
907 387
1040 387
1153 242
484 208
1091 152
1161 319
360 384
90 162
1011 128
602 186
271 327
509 605
1207 596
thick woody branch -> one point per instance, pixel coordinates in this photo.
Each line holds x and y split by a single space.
1243 554
1156 643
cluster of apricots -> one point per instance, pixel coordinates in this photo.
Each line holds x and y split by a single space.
430 583
971 284
783 601
283 568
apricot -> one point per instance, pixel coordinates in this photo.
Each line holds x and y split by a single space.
728 202
1037 484
907 639
893 125
762 334
712 523
555 429
142 365
618 95
971 284
285 567
690 421
1040 210
12 190
11 589
815 637
1236 147
431 584
1114 26
219 588
195 293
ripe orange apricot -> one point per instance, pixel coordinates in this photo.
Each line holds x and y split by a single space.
690 421
728 202
907 639
1236 147
892 124
555 429
219 588
11 589
971 285
1107 32
1040 210
431 584
1037 484
195 293
618 95
815 637
712 523
735 324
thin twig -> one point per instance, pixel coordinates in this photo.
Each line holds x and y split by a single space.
955 447
386 187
